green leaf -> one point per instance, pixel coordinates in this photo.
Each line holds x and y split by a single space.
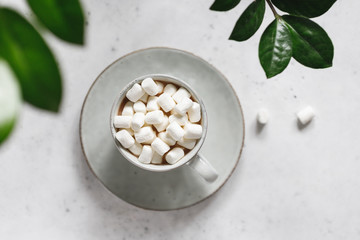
311 45
275 48
306 8
10 100
224 5
64 18
31 59
249 22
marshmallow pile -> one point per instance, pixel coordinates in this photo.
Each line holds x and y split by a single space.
159 122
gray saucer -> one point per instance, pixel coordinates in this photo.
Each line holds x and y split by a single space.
181 187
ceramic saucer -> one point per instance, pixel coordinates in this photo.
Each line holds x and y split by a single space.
181 187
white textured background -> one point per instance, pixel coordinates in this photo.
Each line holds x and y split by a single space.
290 183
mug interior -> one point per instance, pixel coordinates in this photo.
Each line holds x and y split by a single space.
133 159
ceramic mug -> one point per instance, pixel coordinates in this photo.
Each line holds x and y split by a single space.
193 158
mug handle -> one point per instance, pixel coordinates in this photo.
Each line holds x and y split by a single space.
203 168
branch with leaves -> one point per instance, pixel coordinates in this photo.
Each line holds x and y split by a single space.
28 69
293 35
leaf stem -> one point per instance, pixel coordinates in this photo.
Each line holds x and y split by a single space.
272 9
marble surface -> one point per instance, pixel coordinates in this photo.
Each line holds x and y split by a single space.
290 183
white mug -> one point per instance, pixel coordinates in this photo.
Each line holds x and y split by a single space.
193 158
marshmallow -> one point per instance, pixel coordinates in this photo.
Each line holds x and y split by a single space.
125 138
263 116
144 134
166 102
149 101
144 98
306 115
128 109
163 125
174 155
160 86
155 117
181 120
150 140
170 89
167 139
193 131
175 131
194 113
139 107
183 106
160 146
138 121
130 131
136 149
156 159
149 86
152 104
181 94
187 143
122 121
135 92
146 154
172 112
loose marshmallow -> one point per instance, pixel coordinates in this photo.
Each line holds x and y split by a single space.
306 115
160 146
170 89
156 159
187 143
144 98
174 155
183 106
163 125
193 131
128 109
166 102
180 119
263 116
135 92
175 131
167 139
139 107
144 134
181 94
152 104
155 117
138 121
136 149
125 138
146 154
122 121
194 113
160 86
149 86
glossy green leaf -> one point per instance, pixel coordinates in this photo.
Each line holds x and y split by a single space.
249 22
224 5
311 45
306 8
64 18
10 100
31 59
275 48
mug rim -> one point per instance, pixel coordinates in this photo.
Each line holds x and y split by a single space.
132 158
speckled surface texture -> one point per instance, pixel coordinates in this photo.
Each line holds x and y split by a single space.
290 183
